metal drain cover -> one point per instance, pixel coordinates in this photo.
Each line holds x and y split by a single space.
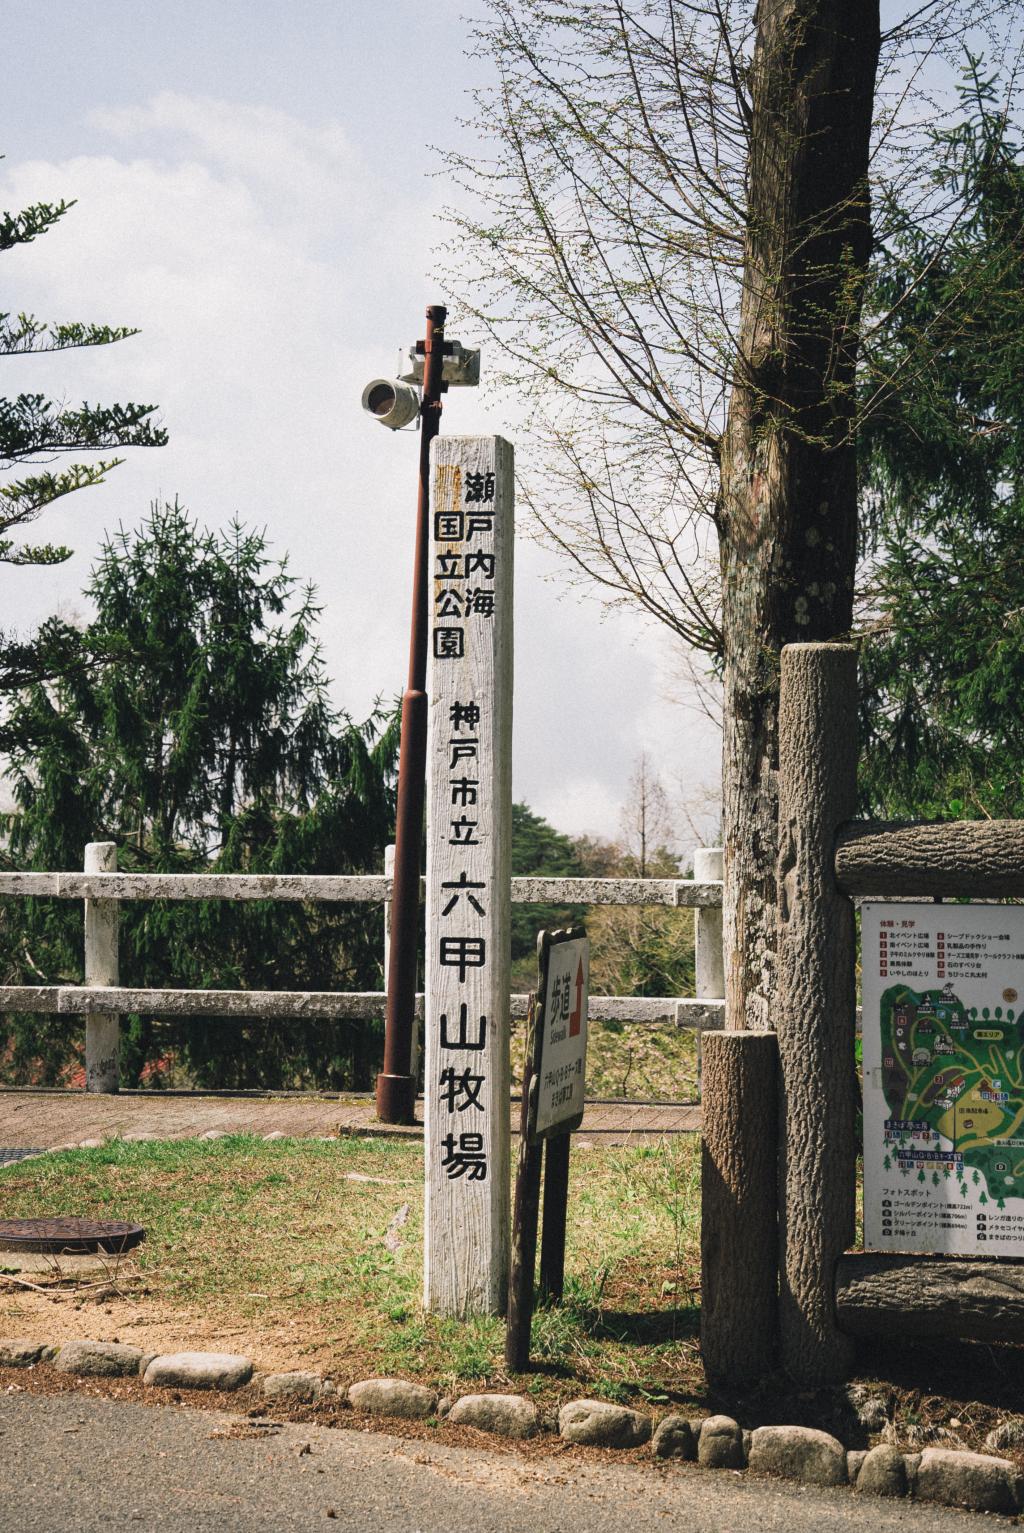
8 1155
69 1237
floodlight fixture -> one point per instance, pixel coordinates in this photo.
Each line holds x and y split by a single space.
392 401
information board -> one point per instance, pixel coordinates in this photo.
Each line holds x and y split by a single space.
560 1042
943 1084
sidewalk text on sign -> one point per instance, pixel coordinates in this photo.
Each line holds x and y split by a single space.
560 1044
943 1082
469 810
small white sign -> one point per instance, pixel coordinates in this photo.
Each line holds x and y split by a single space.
943 1080
562 1077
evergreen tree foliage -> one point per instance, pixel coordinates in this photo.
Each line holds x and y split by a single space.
203 740
539 851
943 703
36 431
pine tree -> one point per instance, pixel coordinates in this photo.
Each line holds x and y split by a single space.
943 720
203 740
35 431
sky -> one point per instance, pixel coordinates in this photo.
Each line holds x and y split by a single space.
259 190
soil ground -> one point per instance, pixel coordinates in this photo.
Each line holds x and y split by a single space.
44 1119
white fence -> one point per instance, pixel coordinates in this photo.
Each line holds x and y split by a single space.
101 1000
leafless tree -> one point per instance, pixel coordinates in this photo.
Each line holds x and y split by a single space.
668 234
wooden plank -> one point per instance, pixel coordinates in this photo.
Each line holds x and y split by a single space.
930 1297
966 859
469 814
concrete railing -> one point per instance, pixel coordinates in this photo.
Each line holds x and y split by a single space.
102 1000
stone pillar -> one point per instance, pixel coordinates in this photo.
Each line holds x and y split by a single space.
102 1029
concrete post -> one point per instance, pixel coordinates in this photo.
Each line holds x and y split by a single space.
709 956
102 1030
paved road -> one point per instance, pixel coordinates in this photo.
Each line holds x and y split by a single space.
41 1119
90 1465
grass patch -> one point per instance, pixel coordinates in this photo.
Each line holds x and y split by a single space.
318 1246
631 1060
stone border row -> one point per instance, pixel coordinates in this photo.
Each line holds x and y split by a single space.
948 1477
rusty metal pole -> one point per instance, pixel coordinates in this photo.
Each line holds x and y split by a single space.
396 1085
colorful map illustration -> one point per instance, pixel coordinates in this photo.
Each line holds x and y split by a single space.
953 1084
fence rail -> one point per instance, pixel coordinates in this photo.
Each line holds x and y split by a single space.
78 1000
101 1000
677 893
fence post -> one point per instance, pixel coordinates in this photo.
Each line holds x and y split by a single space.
739 1236
709 958
816 1005
102 1030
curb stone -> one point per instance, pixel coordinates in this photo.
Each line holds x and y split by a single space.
198 1370
504 1415
98 1359
883 1472
943 1476
721 1444
799 1453
974 1480
393 1397
21 1353
675 1438
295 1385
602 1425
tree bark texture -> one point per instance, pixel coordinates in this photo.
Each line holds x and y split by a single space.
788 509
930 1298
816 1004
980 859
739 1236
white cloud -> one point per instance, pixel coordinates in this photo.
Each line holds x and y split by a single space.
271 273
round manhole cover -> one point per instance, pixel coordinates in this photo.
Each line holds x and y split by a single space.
69 1237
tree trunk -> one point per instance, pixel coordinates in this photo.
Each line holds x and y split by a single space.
788 513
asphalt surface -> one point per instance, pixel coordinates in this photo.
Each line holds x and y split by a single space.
68 1462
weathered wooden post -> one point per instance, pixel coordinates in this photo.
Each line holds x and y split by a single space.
102 1030
816 1007
709 957
469 814
739 1238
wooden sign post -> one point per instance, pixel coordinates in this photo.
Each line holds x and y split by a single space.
554 1084
469 815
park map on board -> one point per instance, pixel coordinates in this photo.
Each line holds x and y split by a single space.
944 1078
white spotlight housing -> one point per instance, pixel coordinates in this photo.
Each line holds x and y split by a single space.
392 402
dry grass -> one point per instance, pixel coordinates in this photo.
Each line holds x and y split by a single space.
309 1253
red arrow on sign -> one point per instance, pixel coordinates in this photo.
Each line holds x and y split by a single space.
576 1018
